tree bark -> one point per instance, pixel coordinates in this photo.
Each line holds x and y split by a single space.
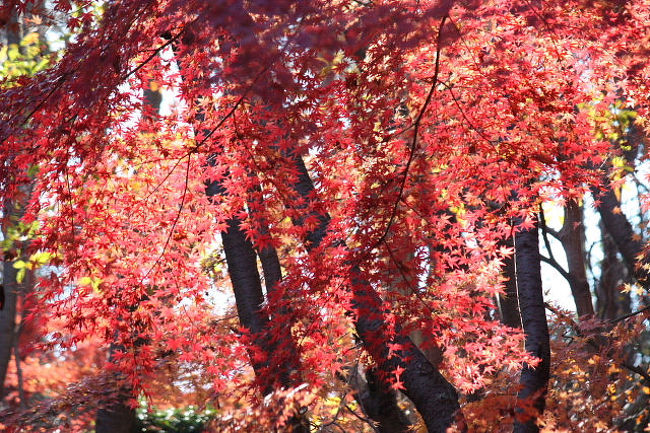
270 267
247 287
7 319
531 398
9 273
433 396
115 418
611 302
114 415
379 403
572 236
242 268
12 289
508 302
619 228
241 259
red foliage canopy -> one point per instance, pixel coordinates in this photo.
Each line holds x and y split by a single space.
427 127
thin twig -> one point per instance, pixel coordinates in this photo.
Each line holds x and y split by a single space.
362 418
547 243
556 266
576 329
178 216
628 315
416 127
156 52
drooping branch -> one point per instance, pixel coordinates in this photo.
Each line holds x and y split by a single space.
433 396
116 415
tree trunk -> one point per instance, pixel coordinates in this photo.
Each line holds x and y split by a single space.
619 228
531 398
114 415
572 236
433 396
9 283
247 287
241 259
242 269
7 319
508 302
611 302
12 289
379 403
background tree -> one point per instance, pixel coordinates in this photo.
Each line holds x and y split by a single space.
382 150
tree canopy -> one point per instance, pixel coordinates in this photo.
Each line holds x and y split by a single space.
333 222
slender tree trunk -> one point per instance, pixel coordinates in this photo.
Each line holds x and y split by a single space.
611 302
434 397
508 302
12 289
531 399
9 282
270 267
572 236
7 319
242 268
619 228
19 369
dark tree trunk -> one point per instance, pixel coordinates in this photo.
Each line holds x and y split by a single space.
619 228
241 259
114 415
7 319
531 398
271 267
380 404
242 268
12 289
611 302
508 303
572 236
433 396
9 273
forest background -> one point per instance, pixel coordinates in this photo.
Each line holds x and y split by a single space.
341 216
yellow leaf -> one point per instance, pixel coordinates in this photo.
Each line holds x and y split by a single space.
30 39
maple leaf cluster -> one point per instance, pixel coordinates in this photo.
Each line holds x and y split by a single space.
384 153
